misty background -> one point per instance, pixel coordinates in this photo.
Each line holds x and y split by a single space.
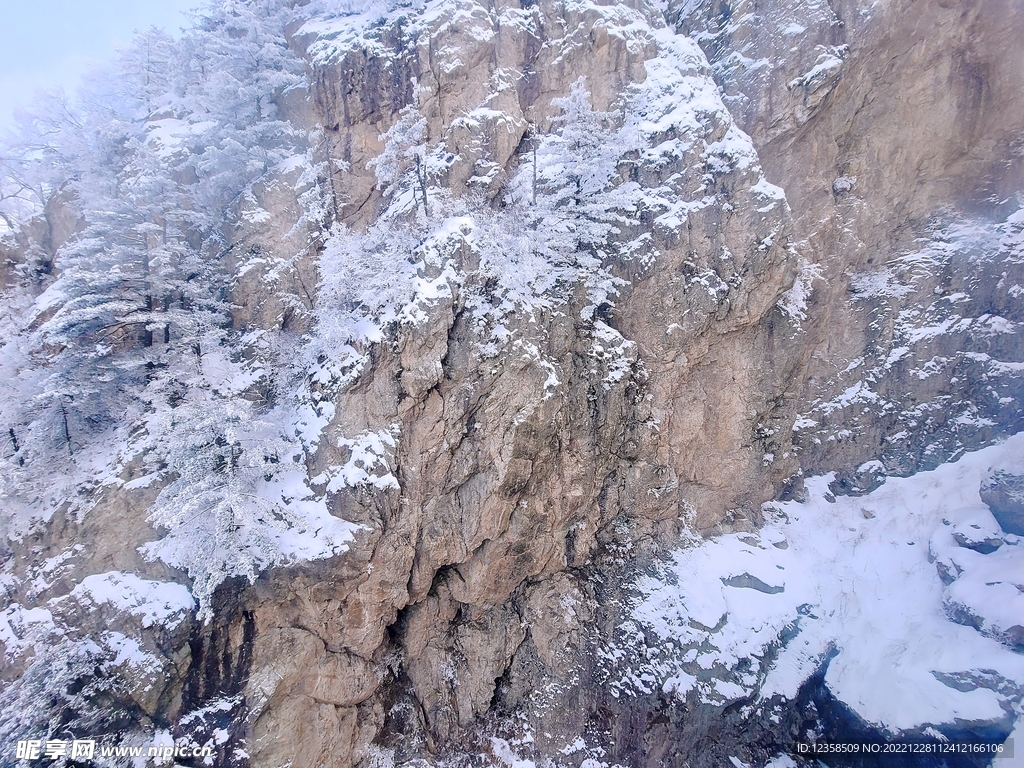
50 44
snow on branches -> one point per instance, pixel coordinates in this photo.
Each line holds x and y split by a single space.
122 346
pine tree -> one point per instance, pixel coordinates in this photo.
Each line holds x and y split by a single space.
582 199
402 167
579 203
130 350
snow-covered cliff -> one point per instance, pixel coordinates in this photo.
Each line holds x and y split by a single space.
454 381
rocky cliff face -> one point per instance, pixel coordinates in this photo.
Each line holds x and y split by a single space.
899 163
793 248
587 430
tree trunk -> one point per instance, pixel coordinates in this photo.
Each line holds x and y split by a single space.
421 176
67 429
534 139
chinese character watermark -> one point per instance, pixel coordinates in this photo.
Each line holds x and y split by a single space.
86 749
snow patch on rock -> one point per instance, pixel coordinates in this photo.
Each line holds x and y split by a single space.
854 584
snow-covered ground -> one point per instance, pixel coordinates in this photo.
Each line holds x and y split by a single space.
874 586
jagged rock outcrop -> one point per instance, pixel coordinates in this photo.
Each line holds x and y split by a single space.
1004 494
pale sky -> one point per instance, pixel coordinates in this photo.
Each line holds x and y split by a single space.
49 43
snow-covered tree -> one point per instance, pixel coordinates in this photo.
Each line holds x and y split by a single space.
402 167
125 350
579 203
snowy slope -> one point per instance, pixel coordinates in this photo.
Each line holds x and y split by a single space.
854 583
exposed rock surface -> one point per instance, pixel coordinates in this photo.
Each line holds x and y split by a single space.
522 464
1004 494
891 145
